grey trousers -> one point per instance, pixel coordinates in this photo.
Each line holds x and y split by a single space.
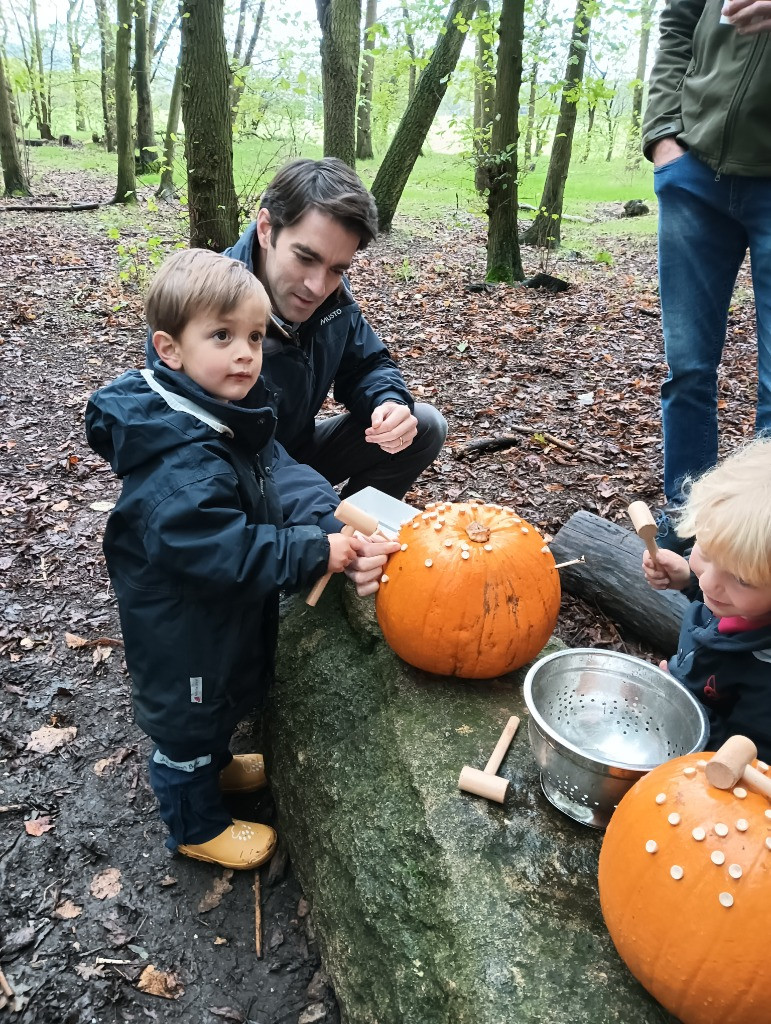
339 453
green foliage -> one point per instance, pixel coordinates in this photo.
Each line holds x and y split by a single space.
603 256
137 257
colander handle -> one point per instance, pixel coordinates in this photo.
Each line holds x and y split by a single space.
503 744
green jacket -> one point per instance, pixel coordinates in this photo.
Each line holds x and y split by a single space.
711 89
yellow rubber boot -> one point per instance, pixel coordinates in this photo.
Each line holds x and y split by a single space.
243 845
244 774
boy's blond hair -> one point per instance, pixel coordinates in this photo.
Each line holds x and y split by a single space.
194 281
728 510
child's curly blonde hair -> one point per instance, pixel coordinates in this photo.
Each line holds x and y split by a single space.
728 510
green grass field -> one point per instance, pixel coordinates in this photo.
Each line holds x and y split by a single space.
440 187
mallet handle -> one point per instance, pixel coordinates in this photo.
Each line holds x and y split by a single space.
757 780
319 585
503 744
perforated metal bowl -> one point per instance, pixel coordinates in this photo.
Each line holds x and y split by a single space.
600 720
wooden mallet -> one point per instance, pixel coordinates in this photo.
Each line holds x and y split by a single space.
487 783
731 765
354 520
645 526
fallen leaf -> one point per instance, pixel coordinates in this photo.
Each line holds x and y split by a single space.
47 739
213 897
60 506
102 506
74 641
37 826
106 884
89 971
228 1012
26 643
219 941
167 880
67 910
101 654
165 984
108 763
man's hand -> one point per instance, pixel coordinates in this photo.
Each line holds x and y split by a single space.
749 17
664 151
393 427
366 569
670 571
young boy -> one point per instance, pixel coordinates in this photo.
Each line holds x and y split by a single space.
724 651
197 548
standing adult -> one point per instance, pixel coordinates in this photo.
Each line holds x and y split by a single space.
707 131
313 217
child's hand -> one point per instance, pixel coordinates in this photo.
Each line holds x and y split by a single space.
342 551
669 572
367 568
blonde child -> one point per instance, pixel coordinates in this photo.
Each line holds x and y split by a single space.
197 546
724 650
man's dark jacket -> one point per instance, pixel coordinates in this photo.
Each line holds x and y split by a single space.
335 345
730 674
197 548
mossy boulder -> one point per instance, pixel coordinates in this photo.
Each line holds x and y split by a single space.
432 906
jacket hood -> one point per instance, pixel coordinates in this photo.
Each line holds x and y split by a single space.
705 632
145 414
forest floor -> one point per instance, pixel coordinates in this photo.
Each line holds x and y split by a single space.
97 923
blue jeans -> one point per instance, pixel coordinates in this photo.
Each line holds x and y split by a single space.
186 786
706 226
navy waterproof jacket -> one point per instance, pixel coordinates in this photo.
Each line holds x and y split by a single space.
730 673
198 547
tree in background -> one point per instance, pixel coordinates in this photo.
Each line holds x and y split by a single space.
107 73
410 41
545 229
14 178
166 184
126 189
634 153
44 120
239 66
541 24
504 262
484 93
413 128
340 21
211 194
74 15
147 161
364 149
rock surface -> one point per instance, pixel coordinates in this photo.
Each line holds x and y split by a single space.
432 906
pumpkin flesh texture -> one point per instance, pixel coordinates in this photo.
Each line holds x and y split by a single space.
476 617
705 962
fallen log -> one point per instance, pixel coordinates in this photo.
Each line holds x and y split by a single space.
612 578
39 208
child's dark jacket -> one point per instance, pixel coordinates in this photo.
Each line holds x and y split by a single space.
197 548
730 673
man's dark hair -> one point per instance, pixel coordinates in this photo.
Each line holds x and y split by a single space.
329 186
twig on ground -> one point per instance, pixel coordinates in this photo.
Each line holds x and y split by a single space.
480 444
257 916
38 208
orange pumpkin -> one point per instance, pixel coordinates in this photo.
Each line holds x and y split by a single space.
685 889
472 593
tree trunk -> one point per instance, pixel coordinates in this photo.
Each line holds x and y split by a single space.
240 69
364 149
211 194
73 41
484 95
611 577
541 23
166 184
410 41
147 161
44 124
13 172
126 189
634 152
159 50
545 229
152 27
591 113
107 79
340 22
504 262
417 118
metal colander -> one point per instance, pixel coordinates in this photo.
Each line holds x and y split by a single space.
600 720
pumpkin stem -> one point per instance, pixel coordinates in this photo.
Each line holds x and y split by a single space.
477 532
